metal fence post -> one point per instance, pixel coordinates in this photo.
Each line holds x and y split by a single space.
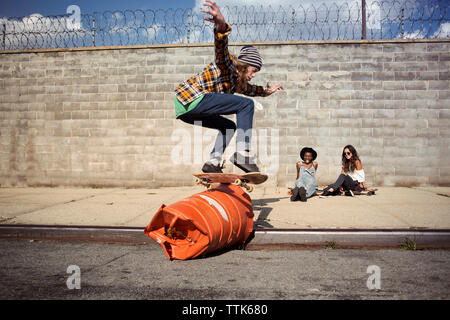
403 23
93 31
293 24
363 14
4 36
189 27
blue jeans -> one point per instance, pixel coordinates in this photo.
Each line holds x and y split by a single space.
208 113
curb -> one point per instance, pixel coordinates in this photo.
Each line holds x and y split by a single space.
348 238
261 239
122 235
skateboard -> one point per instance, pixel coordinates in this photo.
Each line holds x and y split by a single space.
368 192
207 179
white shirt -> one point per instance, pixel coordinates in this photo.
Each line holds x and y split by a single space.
357 175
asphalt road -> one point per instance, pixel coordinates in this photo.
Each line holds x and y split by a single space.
39 270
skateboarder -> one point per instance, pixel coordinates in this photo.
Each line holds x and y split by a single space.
205 98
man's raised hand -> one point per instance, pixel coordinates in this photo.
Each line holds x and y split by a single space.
217 17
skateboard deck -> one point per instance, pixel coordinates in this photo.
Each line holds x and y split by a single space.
368 192
251 177
226 178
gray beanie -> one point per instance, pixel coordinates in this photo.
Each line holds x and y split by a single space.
249 55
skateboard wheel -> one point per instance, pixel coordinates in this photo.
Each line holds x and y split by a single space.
209 186
198 181
249 188
237 182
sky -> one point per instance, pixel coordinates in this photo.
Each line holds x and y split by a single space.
21 8
252 23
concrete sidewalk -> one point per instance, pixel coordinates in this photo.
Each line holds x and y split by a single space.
390 208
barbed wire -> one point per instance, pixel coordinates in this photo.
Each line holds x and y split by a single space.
384 20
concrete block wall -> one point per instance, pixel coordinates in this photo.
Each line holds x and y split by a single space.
105 117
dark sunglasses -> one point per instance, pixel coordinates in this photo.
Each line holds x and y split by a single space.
347 153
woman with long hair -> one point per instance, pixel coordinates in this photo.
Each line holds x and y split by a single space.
206 97
352 177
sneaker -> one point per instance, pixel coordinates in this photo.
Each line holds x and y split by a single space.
245 163
209 167
302 194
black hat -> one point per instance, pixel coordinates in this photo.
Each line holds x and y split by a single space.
308 149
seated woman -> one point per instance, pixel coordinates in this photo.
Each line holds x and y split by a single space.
352 177
305 184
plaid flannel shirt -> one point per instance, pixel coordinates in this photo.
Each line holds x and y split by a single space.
220 76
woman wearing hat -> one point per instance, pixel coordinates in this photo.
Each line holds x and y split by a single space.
206 97
305 184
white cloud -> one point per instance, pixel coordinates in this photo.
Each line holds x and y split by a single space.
417 34
443 31
36 31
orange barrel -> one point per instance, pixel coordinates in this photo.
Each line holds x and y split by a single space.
203 223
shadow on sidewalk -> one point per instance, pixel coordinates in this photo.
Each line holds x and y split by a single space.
261 205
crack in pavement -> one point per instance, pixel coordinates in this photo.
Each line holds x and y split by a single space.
104 264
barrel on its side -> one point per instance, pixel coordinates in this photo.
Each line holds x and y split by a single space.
203 223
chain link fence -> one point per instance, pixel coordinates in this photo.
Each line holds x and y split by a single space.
353 20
